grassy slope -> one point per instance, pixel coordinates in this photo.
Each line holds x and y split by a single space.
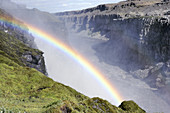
26 89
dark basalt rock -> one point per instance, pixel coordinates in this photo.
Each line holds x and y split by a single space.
35 61
166 0
167 13
102 7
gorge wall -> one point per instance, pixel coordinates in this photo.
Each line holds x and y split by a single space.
144 41
137 34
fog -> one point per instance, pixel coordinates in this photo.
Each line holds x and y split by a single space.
64 69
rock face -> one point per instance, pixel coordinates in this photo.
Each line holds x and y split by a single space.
34 61
140 32
144 37
144 40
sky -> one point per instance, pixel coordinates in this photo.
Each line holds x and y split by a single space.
62 5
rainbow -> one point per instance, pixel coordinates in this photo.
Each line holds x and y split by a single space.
69 51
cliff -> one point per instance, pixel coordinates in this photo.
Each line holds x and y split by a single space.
138 29
24 89
24 55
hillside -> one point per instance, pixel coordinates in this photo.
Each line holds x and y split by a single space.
25 88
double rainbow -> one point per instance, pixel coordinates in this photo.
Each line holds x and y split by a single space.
69 51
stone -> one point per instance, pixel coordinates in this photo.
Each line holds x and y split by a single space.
167 13
28 58
140 74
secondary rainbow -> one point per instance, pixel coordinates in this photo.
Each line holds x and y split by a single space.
69 51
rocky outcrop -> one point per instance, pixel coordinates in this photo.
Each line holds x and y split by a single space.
34 61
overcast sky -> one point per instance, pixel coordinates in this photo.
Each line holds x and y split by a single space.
62 5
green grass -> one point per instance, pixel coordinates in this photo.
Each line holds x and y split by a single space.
27 89
131 106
